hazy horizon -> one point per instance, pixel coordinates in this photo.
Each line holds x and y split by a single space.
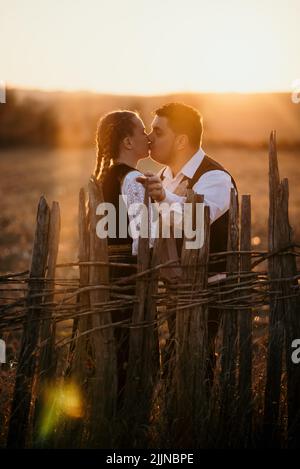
142 95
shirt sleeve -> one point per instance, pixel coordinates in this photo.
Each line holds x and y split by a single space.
133 194
216 187
133 190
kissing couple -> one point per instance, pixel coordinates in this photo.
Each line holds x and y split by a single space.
175 141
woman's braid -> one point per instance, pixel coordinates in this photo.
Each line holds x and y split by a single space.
111 130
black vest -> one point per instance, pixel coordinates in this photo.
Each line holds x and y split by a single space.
219 228
111 186
119 249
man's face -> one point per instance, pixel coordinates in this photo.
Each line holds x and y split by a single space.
162 140
140 139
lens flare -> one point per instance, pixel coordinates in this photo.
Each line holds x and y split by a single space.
59 402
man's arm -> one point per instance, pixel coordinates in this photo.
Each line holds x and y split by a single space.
214 185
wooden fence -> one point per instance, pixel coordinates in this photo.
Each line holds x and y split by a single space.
65 388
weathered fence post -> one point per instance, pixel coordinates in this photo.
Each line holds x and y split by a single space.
230 335
72 434
245 331
47 360
191 340
21 405
78 350
140 373
291 320
103 392
276 330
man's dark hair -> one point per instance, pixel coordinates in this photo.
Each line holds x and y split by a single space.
183 119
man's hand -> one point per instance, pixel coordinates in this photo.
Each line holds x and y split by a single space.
153 184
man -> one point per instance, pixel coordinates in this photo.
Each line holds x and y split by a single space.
175 141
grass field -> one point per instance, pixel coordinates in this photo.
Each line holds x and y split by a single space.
58 174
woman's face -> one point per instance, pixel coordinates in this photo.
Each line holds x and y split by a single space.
139 139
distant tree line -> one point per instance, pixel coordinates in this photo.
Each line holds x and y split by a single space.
26 122
63 119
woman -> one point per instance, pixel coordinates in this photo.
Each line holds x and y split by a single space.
121 141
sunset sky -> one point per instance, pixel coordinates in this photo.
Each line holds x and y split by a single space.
150 47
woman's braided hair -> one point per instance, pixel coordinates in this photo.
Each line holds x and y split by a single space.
111 130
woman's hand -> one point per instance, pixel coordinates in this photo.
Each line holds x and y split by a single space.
154 185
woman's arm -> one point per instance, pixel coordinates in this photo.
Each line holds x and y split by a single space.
133 194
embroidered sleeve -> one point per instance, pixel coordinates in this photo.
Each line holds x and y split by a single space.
133 194
133 190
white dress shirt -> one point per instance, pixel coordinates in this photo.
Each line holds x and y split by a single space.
214 185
